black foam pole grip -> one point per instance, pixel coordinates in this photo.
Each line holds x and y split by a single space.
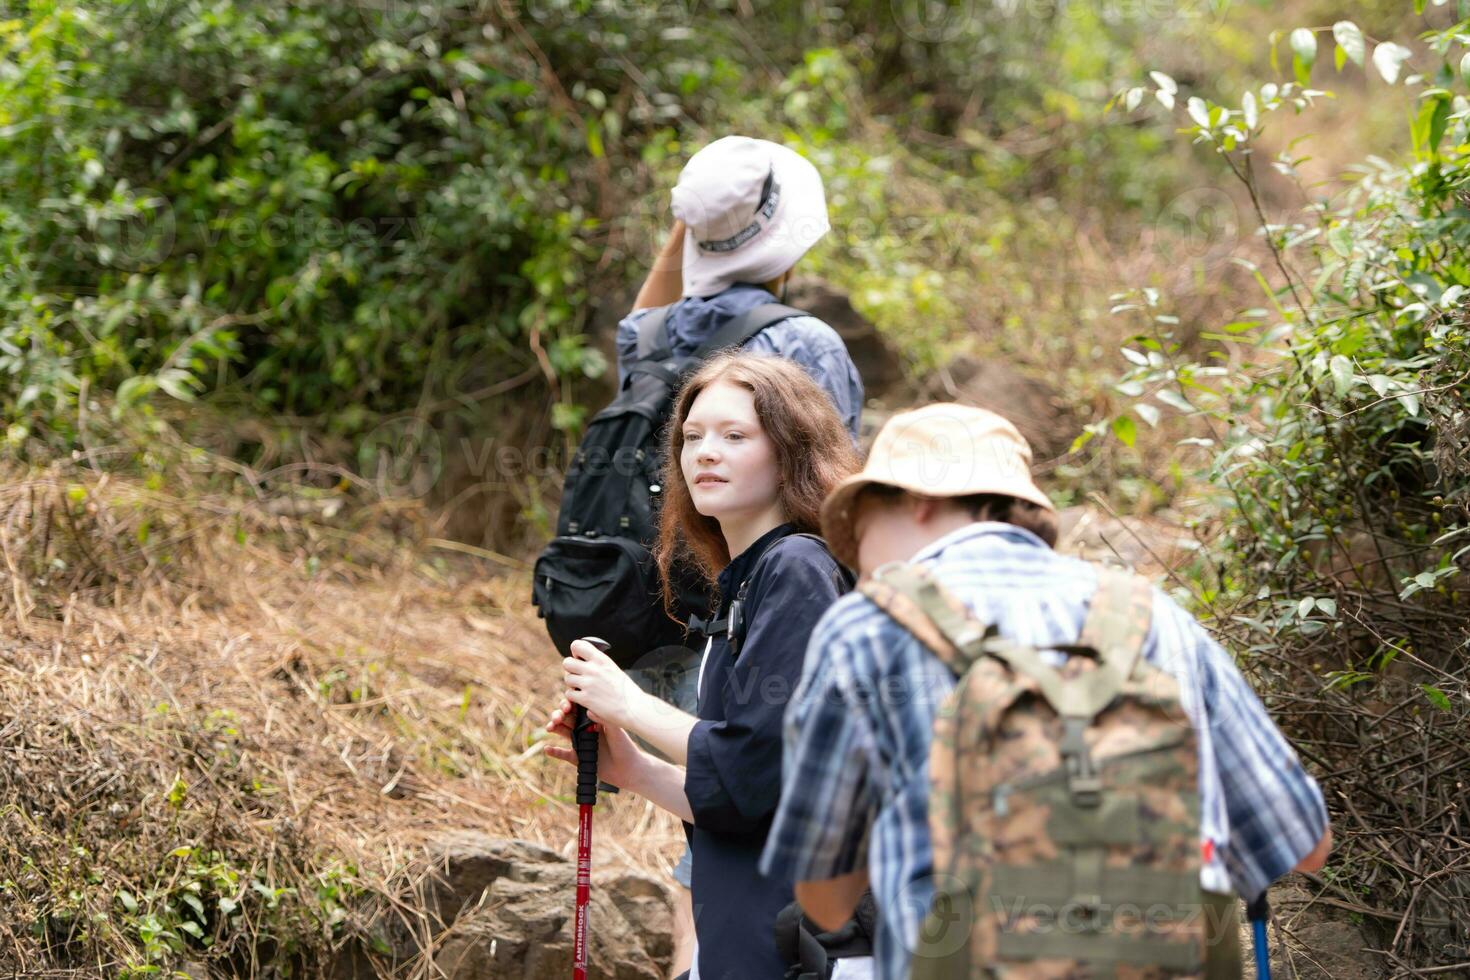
586 742
584 738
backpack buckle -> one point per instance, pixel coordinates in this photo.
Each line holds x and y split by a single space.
1086 788
1084 779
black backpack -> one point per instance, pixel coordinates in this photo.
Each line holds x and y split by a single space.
597 577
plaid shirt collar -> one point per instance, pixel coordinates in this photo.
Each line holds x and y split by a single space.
963 534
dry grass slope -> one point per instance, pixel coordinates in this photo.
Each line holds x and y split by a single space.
227 735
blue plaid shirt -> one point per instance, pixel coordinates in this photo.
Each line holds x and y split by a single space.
856 780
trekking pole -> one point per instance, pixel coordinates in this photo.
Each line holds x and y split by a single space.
1258 912
584 739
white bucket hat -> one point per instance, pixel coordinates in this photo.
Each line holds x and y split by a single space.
751 209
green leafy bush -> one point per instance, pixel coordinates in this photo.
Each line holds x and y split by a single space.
1331 424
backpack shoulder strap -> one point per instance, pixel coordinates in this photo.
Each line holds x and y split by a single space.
945 625
735 623
1118 619
737 331
653 342
936 616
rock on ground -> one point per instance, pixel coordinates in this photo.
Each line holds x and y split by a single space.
878 363
505 910
1149 545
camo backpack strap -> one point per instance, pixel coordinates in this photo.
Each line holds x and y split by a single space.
943 623
1118 619
985 687
927 609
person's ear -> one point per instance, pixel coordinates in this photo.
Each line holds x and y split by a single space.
923 508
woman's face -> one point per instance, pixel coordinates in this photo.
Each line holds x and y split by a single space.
729 463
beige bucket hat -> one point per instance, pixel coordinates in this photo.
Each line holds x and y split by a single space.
751 209
940 450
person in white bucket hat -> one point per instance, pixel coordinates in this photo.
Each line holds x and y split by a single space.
750 209
746 210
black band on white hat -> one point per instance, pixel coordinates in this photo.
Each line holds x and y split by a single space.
770 197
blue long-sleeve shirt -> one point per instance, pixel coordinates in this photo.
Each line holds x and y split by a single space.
804 339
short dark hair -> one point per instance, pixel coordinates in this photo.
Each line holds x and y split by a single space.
982 507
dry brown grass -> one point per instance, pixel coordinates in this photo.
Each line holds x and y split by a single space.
303 704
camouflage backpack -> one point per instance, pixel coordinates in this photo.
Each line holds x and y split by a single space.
1065 805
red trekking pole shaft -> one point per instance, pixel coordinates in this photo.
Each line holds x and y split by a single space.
584 739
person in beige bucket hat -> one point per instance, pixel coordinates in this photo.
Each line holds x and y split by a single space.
940 451
946 496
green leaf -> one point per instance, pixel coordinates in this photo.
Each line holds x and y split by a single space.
178 792
1438 111
1198 111
1305 606
134 389
1167 88
566 416
1148 413
1125 429
1304 44
1341 370
1349 41
128 901
1340 240
1304 54
1248 110
176 383
1465 69
1329 606
1173 399
1388 58
1436 697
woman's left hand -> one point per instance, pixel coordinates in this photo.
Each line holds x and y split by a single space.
595 682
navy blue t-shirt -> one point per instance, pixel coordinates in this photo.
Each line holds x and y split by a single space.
733 779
